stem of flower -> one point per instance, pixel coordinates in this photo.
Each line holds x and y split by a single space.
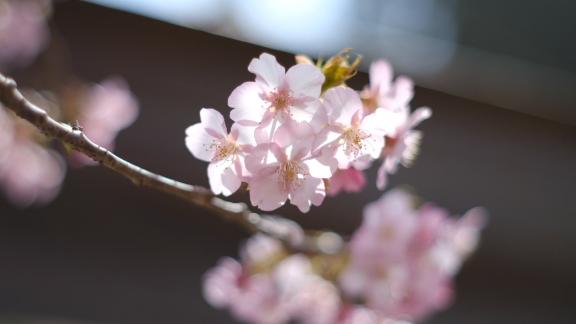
74 137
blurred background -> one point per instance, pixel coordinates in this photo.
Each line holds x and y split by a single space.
500 77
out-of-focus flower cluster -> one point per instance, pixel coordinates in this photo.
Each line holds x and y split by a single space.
23 31
397 268
31 171
301 133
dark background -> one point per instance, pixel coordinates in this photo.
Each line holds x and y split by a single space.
107 252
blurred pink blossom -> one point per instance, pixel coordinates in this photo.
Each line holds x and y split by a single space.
105 110
290 290
397 269
403 142
385 93
349 180
393 97
403 259
29 172
23 31
363 315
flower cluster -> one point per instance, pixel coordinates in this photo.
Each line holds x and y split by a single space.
295 138
31 172
397 268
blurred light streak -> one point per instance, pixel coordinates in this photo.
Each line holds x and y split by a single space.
313 26
419 38
180 12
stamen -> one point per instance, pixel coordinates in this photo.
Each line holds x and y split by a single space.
279 100
224 149
291 175
353 140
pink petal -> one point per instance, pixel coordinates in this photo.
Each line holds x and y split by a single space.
259 158
382 177
243 135
267 70
350 180
307 192
305 80
223 178
287 133
266 193
213 122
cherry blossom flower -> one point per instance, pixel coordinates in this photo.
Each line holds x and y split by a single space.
275 96
23 31
383 92
351 134
288 169
105 110
350 180
209 141
391 221
403 141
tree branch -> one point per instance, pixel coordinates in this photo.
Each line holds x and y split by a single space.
239 213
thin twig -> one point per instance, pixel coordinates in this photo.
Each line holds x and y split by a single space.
75 138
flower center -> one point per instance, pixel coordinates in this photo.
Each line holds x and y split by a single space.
223 150
353 140
291 175
279 100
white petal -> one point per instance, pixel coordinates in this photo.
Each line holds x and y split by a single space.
247 103
403 90
376 123
305 80
244 135
230 181
342 104
381 76
318 169
200 143
373 145
223 178
267 70
213 121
